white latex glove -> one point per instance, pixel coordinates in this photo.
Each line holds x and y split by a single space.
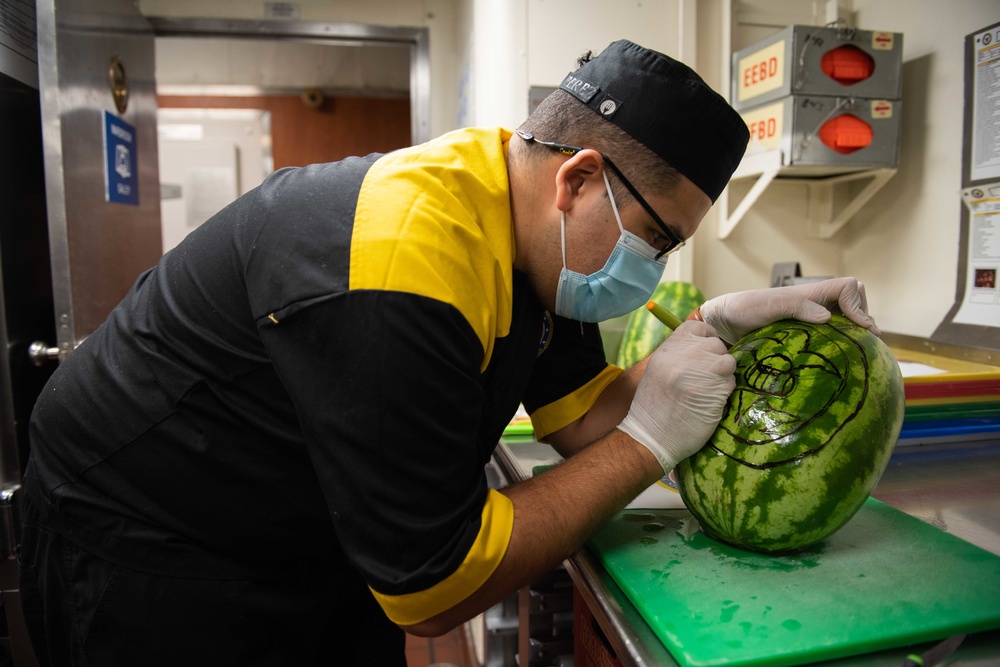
735 315
681 395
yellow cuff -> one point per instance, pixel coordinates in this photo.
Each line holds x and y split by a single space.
563 412
482 560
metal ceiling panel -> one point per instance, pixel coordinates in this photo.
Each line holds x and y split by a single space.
283 65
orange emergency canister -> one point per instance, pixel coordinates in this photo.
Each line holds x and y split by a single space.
846 133
847 65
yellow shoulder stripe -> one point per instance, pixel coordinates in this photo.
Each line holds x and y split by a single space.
435 221
482 560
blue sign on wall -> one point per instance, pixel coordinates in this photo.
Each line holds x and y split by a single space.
121 164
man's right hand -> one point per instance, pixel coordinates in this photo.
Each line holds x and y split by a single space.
679 401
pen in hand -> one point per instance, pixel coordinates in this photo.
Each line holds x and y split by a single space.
669 319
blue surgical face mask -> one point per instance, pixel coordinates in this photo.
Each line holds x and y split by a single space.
627 280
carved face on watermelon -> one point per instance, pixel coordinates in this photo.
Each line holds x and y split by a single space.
795 388
803 440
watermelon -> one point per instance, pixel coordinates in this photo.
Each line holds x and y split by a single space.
643 332
804 437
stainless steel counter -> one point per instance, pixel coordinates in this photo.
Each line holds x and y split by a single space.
954 486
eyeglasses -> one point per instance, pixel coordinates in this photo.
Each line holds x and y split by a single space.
674 242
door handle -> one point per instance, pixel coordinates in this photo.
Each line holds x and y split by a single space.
39 352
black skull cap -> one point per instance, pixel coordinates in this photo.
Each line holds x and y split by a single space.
664 105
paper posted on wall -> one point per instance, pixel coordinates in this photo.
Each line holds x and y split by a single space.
985 68
981 304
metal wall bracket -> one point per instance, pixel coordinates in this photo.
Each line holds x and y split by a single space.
827 210
825 219
762 166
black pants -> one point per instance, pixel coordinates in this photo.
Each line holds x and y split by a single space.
84 611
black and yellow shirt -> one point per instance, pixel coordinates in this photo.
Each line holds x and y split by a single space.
321 371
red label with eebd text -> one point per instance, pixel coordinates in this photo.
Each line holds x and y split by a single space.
761 71
765 125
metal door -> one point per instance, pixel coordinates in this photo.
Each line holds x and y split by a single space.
96 68
68 251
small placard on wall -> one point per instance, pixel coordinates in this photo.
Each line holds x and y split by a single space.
121 164
281 10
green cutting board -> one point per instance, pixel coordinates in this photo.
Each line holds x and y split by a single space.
882 581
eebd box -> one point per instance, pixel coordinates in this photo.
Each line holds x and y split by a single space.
827 133
815 60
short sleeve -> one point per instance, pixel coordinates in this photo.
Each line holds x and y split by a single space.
571 372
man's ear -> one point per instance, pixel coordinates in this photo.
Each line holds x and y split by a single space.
574 173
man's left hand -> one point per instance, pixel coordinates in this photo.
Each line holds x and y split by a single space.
735 315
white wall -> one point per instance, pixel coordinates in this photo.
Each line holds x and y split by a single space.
560 32
904 242
774 229
508 47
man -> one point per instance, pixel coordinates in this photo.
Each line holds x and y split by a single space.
272 452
